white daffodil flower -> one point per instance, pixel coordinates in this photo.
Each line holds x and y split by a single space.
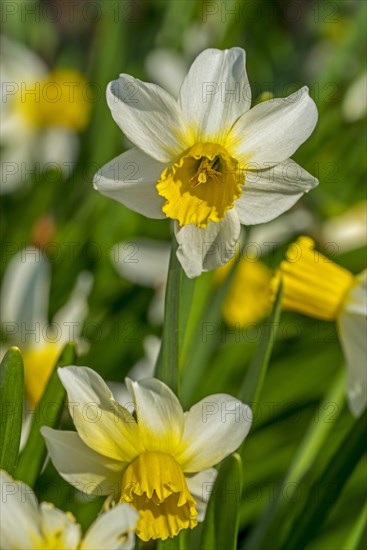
41 113
207 161
155 457
317 287
24 316
27 525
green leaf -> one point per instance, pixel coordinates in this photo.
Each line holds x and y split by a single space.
320 426
220 527
11 399
175 543
179 292
253 383
48 413
328 487
355 537
203 341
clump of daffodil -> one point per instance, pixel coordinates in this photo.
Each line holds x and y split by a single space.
249 298
32 526
155 457
207 161
42 111
316 286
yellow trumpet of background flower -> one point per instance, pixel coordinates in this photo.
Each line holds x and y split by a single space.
316 286
249 298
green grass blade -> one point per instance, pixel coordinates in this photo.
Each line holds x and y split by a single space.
220 527
328 486
47 413
252 385
11 399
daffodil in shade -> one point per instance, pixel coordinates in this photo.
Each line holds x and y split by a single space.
28 525
207 161
148 453
316 286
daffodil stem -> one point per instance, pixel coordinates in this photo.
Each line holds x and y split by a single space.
179 292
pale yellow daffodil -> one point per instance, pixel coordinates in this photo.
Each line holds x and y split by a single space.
148 453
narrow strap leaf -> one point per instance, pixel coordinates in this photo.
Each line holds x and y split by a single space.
327 487
253 383
48 413
220 527
11 399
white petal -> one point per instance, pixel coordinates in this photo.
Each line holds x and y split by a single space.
14 159
142 261
200 486
268 193
101 422
19 63
20 518
145 367
215 93
214 428
59 146
53 520
149 116
166 68
113 530
76 308
357 298
352 325
159 413
205 249
130 179
25 290
273 130
83 468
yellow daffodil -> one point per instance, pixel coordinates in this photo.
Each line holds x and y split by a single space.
316 286
207 161
148 453
41 112
249 298
27 525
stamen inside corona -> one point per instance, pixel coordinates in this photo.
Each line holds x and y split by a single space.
201 186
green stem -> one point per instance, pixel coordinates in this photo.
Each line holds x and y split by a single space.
178 299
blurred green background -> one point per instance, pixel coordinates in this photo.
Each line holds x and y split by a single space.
288 44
